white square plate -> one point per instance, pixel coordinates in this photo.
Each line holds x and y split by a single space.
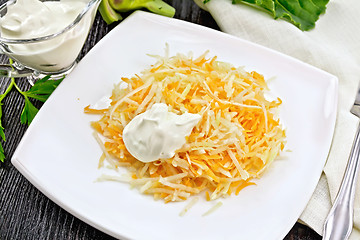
59 155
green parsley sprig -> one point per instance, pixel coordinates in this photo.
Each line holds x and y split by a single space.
41 90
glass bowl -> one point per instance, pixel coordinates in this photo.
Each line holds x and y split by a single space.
53 54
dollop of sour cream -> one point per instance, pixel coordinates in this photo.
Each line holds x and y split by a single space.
27 19
157 133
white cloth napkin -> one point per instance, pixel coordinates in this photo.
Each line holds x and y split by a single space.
334 46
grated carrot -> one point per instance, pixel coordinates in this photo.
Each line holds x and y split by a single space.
237 138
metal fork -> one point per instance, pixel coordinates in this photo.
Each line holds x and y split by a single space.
339 222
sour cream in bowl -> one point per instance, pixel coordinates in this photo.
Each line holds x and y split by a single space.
46 36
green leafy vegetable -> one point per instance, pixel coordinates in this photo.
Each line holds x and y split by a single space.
110 9
108 13
302 13
28 113
2 134
41 90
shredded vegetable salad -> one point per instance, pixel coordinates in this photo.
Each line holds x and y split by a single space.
238 137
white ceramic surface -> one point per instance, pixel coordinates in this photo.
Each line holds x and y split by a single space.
59 155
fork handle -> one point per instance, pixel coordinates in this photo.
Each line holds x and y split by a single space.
339 222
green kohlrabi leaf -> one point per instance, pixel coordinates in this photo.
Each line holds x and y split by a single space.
301 13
